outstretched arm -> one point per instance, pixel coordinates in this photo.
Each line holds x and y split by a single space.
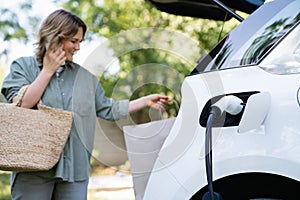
157 101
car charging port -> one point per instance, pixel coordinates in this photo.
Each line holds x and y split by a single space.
226 119
230 104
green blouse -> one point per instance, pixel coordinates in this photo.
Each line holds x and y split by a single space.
76 90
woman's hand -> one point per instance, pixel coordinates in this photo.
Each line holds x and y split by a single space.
156 101
53 59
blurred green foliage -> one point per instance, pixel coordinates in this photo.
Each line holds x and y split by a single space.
14 27
4 186
151 66
114 19
142 70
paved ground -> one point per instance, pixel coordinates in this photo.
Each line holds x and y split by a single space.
115 187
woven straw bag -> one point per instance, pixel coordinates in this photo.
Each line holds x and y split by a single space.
32 140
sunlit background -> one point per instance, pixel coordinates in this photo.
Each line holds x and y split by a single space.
113 25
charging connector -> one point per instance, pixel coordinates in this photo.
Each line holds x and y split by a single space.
232 105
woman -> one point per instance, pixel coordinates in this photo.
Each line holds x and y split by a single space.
72 88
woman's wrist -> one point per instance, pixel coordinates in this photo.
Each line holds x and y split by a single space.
137 104
47 71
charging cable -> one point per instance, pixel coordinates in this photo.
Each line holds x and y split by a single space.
232 105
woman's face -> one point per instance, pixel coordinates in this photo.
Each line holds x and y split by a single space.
71 45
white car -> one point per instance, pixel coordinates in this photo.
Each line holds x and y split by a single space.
251 149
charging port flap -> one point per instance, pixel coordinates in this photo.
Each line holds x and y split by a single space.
255 112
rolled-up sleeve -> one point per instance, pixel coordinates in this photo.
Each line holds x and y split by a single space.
108 108
120 109
17 78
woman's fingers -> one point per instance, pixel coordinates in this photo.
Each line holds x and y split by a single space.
158 101
54 58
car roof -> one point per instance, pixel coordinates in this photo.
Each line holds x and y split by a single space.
205 9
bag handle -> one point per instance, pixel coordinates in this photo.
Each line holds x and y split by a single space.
20 95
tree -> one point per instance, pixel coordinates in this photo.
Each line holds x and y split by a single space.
144 41
146 68
153 50
11 29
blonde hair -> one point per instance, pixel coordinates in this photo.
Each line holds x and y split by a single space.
59 25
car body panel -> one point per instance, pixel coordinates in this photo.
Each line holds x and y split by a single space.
248 62
272 148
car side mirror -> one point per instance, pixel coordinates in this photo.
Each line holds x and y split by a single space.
256 110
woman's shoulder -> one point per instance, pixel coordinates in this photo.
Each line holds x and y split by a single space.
26 60
27 63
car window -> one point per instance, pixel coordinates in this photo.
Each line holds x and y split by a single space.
248 43
285 58
262 42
